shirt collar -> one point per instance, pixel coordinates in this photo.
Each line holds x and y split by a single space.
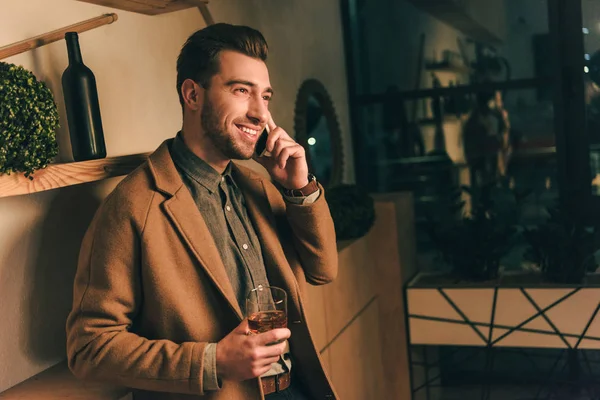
196 168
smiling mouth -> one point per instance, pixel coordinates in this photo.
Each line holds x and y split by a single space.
251 132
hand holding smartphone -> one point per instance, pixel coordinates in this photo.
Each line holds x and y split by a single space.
286 160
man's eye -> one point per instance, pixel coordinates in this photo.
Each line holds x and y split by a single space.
267 98
242 90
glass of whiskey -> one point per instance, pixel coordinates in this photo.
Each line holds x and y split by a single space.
266 309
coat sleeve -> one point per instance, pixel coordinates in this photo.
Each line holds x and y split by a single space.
314 239
107 296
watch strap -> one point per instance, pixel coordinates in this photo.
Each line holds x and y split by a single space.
307 190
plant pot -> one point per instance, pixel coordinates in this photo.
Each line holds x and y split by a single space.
477 272
516 310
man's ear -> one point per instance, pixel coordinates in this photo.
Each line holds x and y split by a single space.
192 94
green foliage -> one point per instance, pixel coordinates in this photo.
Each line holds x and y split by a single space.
28 121
352 210
563 247
474 244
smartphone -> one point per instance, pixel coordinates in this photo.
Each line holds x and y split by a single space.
261 144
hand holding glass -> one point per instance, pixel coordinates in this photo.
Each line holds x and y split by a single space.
266 309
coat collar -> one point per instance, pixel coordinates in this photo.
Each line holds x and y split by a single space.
167 178
195 167
163 171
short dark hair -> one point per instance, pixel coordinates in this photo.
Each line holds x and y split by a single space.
199 56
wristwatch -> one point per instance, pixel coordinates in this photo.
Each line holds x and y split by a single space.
303 191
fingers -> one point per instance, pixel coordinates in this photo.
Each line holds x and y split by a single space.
274 350
289 152
268 354
273 336
265 161
271 123
264 355
275 135
285 149
281 145
240 356
266 362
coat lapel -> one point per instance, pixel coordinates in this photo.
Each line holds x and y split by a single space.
183 212
189 224
263 219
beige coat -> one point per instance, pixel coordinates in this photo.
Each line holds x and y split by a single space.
151 290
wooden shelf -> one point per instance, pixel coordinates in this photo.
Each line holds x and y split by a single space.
149 7
67 174
58 382
56 35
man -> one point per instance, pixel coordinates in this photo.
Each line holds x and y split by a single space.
170 255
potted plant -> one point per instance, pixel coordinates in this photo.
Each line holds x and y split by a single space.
352 210
563 248
472 244
28 122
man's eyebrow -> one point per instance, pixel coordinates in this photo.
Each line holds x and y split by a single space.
247 83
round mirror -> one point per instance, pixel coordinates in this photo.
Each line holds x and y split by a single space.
318 131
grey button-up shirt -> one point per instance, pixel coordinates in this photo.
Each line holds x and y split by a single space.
224 210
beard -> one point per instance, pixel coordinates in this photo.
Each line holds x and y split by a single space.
218 135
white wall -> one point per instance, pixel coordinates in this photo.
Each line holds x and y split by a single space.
134 63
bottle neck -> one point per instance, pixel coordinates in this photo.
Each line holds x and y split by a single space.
73 48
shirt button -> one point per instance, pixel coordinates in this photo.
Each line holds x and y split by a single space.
222 179
228 208
245 246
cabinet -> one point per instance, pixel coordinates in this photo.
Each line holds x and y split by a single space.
357 321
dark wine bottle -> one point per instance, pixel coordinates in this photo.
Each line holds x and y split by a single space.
81 102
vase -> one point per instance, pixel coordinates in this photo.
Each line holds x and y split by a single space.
82 106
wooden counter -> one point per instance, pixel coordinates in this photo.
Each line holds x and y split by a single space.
58 382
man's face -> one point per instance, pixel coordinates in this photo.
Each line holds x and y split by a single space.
235 106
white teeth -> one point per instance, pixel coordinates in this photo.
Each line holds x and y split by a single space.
247 130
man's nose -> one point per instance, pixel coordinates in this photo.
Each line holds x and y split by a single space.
258 111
